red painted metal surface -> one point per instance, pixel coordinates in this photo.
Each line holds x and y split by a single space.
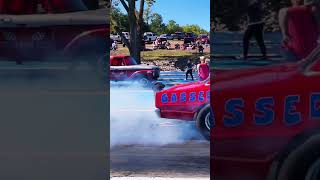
183 101
124 67
257 112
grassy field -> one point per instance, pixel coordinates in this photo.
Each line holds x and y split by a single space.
151 55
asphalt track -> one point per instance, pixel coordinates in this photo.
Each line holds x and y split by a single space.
155 148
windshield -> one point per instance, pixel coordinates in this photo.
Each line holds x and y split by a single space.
20 7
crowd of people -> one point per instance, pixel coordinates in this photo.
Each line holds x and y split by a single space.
299 26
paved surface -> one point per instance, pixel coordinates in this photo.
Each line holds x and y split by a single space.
189 159
157 178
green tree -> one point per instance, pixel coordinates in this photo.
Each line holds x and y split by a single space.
196 29
157 26
173 27
136 23
118 19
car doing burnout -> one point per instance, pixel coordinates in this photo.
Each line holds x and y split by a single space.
43 30
189 102
267 122
126 68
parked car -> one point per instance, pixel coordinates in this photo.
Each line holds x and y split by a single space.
163 36
126 35
189 35
149 37
161 43
180 35
169 36
187 41
125 68
267 121
68 31
187 102
174 36
204 39
115 37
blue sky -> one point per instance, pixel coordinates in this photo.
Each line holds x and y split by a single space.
184 11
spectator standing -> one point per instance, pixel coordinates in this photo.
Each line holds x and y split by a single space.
255 27
203 69
189 70
300 29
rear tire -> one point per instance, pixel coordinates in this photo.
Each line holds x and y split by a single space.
303 163
204 121
141 80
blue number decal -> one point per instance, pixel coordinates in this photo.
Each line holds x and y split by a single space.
208 96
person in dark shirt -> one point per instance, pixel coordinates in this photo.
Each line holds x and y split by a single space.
189 70
255 27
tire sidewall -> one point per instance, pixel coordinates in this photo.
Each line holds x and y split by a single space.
138 79
200 121
296 165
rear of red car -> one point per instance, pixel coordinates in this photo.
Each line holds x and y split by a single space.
188 102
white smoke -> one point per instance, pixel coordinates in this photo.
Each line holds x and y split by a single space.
134 121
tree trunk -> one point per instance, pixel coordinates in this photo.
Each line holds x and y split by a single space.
134 49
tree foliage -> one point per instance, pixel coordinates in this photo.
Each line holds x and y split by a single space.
157 24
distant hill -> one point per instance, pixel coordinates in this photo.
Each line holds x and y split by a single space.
230 15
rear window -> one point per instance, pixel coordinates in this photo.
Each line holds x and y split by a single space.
130 61
20 7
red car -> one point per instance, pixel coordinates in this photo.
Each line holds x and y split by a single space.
267 122
126 68
204 39
187 102
58 29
